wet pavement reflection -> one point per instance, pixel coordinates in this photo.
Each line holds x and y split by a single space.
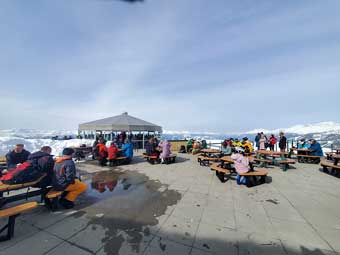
128 203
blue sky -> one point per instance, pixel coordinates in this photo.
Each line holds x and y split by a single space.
198 65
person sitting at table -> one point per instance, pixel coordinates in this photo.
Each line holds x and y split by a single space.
316 148
165 147
45 163
127 151
150 148
196 147
246 145
101 153
282 142
241 164
226 148
65 179
17 156
302 144
237 143
262 141
189 145
272 141
204 144
112 152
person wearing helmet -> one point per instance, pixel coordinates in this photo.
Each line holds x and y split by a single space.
246 145
237 143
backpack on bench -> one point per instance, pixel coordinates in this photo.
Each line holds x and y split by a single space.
26 172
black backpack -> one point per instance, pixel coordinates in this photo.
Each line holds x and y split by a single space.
26 172
182 149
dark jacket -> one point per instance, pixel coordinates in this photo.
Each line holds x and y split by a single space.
150 148
13 158
283 142
64 173
43 160
317 150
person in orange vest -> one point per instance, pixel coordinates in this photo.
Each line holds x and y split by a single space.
112 153
102 153
65 179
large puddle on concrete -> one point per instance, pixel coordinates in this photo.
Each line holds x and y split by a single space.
125 204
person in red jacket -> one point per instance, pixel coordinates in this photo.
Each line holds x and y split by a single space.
112 154
102 153
272 142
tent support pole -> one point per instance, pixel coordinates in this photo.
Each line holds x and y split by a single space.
143 141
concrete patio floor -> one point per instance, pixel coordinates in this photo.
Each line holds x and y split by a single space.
183 208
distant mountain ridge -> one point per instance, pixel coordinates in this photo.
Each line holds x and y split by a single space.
321 127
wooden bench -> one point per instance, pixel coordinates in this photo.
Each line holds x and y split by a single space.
263 162
12 213
285 163
220 171
9 187
308 159
52 198
205 161
151 159
120 159
262 173
335 169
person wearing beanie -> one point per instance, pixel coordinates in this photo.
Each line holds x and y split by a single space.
65 179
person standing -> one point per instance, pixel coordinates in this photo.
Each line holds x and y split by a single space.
282 142
257 141
272 142
262 141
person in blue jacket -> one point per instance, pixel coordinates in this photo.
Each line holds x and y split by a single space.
303 145
316 148
127 149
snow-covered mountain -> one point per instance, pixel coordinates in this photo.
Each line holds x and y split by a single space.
327 133
322 127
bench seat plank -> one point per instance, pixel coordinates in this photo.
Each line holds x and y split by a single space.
53 194
216 167
260 172
8 187
17 209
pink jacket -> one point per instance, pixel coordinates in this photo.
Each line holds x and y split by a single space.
165 146
241 163
263 143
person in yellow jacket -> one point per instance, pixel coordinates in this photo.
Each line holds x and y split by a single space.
237 143
246 145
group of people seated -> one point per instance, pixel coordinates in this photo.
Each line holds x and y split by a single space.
60 173
312 145
110 154
160 150
195 146
229 144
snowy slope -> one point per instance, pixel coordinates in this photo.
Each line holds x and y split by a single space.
35 139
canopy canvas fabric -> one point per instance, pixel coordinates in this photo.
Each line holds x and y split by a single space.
123 122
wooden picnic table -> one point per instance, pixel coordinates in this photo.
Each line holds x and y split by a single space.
337 150
212 151
230 160
271 153
208 152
